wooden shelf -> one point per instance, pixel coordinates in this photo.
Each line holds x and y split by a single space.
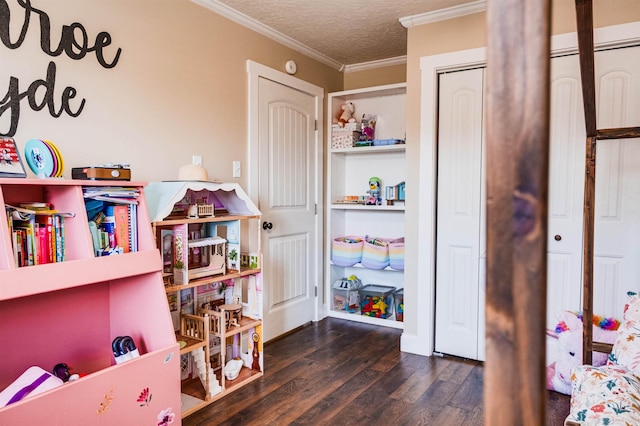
175 221
212 279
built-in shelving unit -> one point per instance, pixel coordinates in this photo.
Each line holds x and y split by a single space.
71 311
349 170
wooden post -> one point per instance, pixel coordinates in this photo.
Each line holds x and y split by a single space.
517 177
584 17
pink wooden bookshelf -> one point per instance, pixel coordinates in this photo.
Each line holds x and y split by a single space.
71 311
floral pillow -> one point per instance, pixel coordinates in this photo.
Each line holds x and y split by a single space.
626 349
606 395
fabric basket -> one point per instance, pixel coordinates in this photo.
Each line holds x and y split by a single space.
396 254
375 253
346 251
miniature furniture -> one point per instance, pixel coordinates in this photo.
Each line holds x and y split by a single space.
227 324
83 304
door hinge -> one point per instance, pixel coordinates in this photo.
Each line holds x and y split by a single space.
316 291
315 208
316 124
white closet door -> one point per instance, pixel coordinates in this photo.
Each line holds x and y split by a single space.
566 189
460 188
617 228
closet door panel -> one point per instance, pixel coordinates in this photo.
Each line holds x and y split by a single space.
458 248
566 189
617 251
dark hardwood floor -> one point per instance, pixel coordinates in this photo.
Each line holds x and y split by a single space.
337 372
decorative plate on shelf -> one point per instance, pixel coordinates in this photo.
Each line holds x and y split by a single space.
44 158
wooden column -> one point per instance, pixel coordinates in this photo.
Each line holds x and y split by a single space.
517 177
584 18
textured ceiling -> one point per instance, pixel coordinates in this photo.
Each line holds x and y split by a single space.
347 31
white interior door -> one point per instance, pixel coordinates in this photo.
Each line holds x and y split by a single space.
459 249
287 199
617 211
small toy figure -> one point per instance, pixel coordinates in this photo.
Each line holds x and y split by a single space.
375 186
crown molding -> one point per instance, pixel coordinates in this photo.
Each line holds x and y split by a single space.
363 66
246 21
444 14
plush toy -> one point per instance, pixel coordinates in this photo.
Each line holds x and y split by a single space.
375 187
346 114
569 347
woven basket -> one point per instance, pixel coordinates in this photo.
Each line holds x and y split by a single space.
396 254
346 251
375 253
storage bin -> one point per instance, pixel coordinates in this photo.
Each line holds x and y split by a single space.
375 253
344 139
345 295
376 300
396 254
398 299
346 251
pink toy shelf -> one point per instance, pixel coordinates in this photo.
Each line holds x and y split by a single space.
71 311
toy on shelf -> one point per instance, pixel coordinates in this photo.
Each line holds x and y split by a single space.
346 114
346 296
368 125
375 185
395 193
377 300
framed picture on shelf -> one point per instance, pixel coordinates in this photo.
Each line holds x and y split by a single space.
10 161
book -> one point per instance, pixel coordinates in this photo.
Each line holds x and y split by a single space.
43 252
133 226
60 255
45 222
122 227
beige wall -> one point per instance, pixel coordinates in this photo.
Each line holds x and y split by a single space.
179 88
458 34
375 77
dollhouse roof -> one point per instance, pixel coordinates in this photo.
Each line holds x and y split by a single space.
162 196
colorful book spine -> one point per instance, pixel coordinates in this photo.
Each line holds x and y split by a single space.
121 217
59 239
46 222
109 226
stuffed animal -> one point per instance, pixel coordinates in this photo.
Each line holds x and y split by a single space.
569 353
346 114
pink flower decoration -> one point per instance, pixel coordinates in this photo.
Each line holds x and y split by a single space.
145 397
166 417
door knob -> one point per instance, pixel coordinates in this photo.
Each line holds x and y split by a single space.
557 237
267 225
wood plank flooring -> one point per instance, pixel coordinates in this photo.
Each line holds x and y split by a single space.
337 372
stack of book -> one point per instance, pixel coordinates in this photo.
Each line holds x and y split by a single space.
37 233
113 219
